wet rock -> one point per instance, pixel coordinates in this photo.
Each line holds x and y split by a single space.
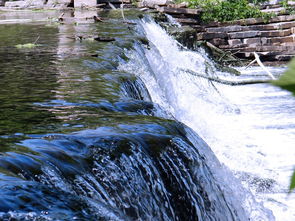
185 35
104 39
85 3
234 42
185 11
281 33
208 36
59 3
246 34
16 4
154 3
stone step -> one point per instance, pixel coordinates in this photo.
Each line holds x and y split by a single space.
263 48
253 21
278 11
186 11
244 34
209 36
238 28
252 34
84 3
187 21
16 4
114 1
270 41
284 57
267 55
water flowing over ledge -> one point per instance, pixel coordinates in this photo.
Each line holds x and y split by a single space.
107 142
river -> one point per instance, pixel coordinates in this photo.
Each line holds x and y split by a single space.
116 131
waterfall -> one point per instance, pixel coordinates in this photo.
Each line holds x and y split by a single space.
130 135
223 117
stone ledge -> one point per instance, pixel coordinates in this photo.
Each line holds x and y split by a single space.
186 11
266 27
252 34
209 36
264 48
253 21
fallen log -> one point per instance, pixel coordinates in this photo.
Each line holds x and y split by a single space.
226 82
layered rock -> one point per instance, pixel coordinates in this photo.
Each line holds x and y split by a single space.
274 40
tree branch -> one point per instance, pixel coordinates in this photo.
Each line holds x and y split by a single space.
223 81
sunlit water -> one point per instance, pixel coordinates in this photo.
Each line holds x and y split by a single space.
249 128
90 130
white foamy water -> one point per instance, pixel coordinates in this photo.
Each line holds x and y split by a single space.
251 129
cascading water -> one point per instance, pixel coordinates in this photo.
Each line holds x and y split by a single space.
97 138
249 128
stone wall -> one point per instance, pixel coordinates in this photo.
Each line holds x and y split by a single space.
274 40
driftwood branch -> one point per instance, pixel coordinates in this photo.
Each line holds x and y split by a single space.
223 81
122 10
257 59
262 66
112 6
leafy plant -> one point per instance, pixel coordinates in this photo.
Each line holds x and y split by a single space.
28 45
289 9
287 81
219 10
292 184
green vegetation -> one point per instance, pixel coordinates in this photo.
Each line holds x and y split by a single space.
28 45
292 184
289 9
287 81
228 10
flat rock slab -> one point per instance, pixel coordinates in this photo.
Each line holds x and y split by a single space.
209 36
253 21
16 4
85 3
115 1
245 34
252 34
186 11
265 27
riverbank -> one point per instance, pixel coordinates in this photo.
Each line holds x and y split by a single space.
273 39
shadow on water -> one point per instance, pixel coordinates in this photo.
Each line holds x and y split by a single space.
81 140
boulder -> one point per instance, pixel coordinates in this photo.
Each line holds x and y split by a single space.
16 4
85 3
59 3
154 3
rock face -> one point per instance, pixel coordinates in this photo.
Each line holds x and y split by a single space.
274 40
